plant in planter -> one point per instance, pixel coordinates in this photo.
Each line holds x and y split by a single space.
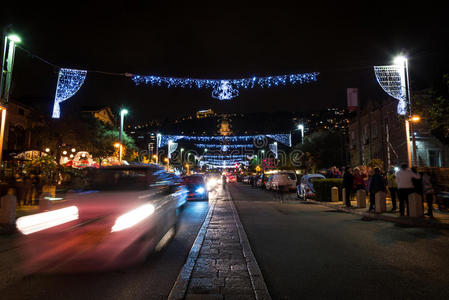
46 169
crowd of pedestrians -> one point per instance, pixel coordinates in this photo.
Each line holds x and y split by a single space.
399 185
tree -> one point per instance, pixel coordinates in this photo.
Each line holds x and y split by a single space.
433 107
326 148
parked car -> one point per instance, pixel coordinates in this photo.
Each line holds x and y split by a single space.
197 187
269 183
125 213
305 187
288 179
262 181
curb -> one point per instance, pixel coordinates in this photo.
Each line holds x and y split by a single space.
181 284
257 281
405 221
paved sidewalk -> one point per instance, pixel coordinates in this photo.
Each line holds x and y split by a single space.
440 219
221 262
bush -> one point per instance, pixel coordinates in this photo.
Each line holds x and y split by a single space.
323 188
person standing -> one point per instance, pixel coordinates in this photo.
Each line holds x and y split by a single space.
392 188
223 179
348 184
377 184
428 193
405 186
359 180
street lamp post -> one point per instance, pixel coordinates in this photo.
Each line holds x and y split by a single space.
301 127
403 61
8 53
123 112
158 138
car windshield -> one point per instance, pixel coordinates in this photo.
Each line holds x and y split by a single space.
193 179
120 179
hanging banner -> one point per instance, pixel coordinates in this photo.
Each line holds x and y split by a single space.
352 95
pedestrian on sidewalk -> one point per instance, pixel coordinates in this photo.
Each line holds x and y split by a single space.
359 180
223 179
377 184
348 184
405 186
392 188
428 193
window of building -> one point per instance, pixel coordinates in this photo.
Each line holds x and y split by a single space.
434 158
21 112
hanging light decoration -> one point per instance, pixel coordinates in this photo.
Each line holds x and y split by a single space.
69 82
226 89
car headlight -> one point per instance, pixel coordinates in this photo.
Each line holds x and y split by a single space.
200 190
133 217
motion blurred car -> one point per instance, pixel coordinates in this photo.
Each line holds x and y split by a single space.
213 181
305 187
231 178
287 179
197 187
125 213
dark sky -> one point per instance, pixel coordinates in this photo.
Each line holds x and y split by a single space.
223 40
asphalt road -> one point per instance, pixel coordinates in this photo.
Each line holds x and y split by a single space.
152 280
308 251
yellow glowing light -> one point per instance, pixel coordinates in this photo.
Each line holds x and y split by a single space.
415 118
117 145
166 160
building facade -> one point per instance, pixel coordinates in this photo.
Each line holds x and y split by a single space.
377 132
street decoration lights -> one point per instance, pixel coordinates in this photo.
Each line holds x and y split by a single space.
69 82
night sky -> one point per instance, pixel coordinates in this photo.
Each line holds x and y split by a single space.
220 41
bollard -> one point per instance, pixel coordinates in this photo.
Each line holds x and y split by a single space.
343 195
51 189
416 208
361 198
8 205
381 202
44 202
334 194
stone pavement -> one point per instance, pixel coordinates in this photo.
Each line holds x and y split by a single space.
221 264
440 219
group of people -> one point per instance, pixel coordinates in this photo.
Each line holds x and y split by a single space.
399 184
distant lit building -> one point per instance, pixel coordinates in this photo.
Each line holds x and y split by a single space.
205 114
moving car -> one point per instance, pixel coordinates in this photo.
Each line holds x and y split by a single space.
125 213
197 187
305 187
288 179
231 178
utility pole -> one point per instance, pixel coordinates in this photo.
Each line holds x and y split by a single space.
8 53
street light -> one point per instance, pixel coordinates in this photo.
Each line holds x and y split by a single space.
301 127
414 119
8 54
123 112
403 61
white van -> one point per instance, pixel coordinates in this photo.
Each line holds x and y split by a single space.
284 179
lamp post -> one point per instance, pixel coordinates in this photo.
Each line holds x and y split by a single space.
158 139
123 112
403 61
8 54
301 127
